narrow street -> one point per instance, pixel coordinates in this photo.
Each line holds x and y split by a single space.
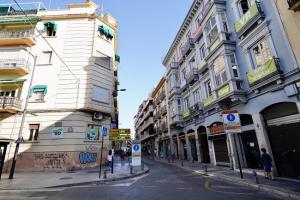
163 182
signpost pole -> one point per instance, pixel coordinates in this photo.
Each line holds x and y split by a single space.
238 157
100 166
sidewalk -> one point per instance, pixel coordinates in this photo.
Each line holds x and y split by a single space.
284 187
37 180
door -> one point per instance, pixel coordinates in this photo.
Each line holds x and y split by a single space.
204 148
184 149
251 149
285 142
221 151
193 149
2 156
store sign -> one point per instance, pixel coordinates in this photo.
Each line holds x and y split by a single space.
223 90
119 134
251 13
262 71
93 134
136 158
216 129
209 100
232 121
57 133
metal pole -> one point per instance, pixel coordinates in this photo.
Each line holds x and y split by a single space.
238 157
100 168
13 166
112 164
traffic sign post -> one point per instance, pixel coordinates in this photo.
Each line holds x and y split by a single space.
232 124
136 159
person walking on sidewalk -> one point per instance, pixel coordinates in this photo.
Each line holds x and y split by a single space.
109 158
266 161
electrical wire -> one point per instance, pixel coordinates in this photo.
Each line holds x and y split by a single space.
41 34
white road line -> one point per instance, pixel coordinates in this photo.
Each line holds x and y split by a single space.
14 197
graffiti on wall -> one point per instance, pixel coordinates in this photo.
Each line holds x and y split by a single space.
87 157
53 160
92 148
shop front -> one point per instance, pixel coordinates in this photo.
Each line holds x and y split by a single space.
203 144
192 141
3 147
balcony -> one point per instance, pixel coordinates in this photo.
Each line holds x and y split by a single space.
174 90
208 101
186 114
202 66
17 37
187 46
27 8
18 66
163 110
264 72
10 104
192 76
197 33
294 5
223 90
251 18
176 121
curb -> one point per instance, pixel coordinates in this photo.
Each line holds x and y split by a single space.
266 188
87 182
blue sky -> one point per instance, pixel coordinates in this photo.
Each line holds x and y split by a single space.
146 30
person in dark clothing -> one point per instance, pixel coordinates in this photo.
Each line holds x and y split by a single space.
266 161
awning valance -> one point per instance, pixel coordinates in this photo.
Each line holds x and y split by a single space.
106 31
12 81
39 88
19 20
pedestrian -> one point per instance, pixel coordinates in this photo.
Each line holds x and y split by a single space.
109 158
122 154
266 161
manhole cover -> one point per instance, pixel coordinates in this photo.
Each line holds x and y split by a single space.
65 178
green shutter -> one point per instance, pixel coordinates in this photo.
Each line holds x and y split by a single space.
106 31
52 25
39 88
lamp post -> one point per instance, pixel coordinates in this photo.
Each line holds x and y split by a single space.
13 166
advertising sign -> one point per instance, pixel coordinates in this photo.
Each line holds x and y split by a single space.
136 158
232 123
93 134
119 134
57 133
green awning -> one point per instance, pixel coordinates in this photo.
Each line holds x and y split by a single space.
52 25
106 31
19 20
117 58
110 33
39 88
12 81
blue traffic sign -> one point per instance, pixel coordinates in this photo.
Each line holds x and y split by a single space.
104 131
230 117
136 147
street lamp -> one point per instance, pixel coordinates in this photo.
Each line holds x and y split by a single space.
13 166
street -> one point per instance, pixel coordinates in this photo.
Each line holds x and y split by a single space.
163 182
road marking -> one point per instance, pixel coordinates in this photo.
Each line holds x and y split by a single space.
150 186
166 181
14 197
33 190
190 189
208 188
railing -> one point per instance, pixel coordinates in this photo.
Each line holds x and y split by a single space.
186 114
187 46
294 5
163 110
10 102
14 63
192 75
27 8
17 34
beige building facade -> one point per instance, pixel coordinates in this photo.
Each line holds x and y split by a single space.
73 91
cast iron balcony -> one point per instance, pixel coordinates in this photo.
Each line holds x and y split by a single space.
192 76
294 5
10 104
251 18
17 37
197 33
187 46
18 66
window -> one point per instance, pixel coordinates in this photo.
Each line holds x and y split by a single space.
33 132
224 22
196 96
219 70
8 93
261 53
188 35
234 66
50 28
244 6
186 103
38 93
198 22
202 52
208 88
211 30
179 105
45 58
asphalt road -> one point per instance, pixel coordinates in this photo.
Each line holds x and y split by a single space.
164 182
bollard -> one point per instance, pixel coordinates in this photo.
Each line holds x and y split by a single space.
112 165
131 170
255 177
142 166
104 174
205 169
182 163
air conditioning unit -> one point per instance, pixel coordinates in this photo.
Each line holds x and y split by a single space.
97 116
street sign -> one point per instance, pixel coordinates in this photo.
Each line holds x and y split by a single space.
232 123
20 140
119 134
104 131
136 159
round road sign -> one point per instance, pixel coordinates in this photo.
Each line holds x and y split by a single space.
230 117
136 147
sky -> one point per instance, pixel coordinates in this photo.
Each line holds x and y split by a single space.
147 29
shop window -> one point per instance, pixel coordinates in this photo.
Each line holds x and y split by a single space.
211 30
50 28
220 71
208 88
234 66
33 132
244 6
261 53
45 58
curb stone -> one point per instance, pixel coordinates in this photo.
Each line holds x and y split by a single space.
270 189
